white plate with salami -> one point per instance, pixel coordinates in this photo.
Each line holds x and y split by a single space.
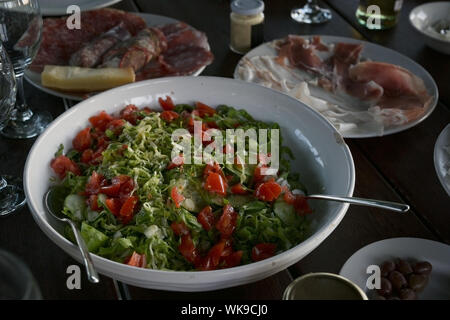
153 46
363 89
59 7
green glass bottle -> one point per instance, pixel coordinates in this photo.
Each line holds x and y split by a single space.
378 14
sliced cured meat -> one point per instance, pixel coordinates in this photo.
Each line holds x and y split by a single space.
137 51
182 61
90 55
188 59
395 80
301 53
348 53
59 43
181 34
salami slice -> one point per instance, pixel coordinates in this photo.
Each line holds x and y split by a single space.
181 34
59 42
185 60
90 55
137 51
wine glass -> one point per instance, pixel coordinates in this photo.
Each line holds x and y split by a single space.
311 13
20 32
11 193
16 279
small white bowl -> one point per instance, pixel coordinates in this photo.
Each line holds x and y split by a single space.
424 16
322 158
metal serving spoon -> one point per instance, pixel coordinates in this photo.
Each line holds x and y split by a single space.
55 209
388 205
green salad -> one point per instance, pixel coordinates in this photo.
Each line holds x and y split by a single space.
136 204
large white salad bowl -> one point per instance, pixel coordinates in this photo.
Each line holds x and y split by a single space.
323 160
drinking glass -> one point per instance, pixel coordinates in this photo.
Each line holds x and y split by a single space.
20 32
16 280
11 193
311 13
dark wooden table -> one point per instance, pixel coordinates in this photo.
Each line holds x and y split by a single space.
398 167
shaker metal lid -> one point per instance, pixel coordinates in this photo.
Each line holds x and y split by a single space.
247 7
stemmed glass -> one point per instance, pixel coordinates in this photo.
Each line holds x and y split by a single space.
311 13
11 193
20 32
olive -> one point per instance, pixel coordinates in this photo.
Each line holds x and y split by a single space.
407 294
404 267
385 287
417 282
397 279
422 267
386 268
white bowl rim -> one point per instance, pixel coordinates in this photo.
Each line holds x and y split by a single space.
319 236
429 35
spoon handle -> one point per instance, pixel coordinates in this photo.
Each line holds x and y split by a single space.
394 206
90 270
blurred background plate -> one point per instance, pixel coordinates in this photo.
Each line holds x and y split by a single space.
414 249
59 7
442 158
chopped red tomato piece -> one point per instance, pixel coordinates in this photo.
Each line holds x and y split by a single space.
233 259
93 202
116 126
86 156
204 110
176 162
176 196
179 228
187 249
137 260
263 251
129 113
212 168
129 206
268 191
216 183
289 197
61 165
146 110
227 221
126 185
169 116
258 177
114 205
206 218
83 140
95 182
101 120
301 205
167 104
112 190
228 248
238 189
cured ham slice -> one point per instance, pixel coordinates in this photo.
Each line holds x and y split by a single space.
90 55
300 53
137 51
59 43
395 80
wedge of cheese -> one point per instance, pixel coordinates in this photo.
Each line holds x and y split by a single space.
76 79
